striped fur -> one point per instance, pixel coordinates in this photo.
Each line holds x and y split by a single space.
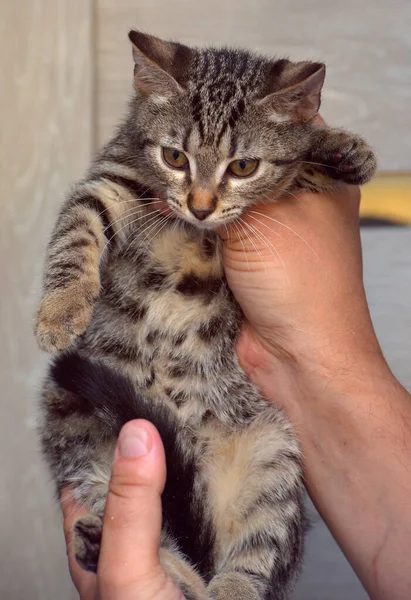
134 286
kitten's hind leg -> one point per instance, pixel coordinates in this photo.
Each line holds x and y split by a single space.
181 571
256 498
87 532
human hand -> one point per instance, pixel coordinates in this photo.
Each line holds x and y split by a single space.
309 346
295 267
129 567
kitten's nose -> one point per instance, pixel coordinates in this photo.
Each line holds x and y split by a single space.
201 202
201 213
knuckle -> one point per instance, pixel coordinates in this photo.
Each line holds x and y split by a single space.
124 487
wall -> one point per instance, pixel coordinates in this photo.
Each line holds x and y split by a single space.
65 73
366 46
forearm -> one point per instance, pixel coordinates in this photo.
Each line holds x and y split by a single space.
354 424
310 347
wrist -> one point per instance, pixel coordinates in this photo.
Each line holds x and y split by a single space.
302 378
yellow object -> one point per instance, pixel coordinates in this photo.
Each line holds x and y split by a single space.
388 197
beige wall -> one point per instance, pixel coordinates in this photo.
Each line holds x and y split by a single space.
65 72
365 43
45 140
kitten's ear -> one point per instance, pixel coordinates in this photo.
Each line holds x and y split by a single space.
299 95
159 67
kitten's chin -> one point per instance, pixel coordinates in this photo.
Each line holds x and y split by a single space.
204 225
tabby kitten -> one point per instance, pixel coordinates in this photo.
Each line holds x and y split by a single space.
134 287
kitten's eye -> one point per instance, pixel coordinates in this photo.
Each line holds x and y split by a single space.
175 158
243 167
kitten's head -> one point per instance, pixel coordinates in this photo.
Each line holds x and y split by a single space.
220 129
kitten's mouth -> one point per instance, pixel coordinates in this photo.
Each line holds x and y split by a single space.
163 209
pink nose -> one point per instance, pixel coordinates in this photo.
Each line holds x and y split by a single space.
201 213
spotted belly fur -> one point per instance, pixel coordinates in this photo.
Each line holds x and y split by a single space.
167 319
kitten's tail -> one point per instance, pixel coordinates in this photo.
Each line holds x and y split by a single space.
113 400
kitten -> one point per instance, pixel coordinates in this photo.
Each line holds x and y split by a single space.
134 287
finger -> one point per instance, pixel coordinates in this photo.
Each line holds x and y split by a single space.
85 582
132 520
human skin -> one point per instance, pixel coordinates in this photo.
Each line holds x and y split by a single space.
129 567
309 345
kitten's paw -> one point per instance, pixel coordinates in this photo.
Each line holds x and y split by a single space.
62 317
232 586
87 539
347 157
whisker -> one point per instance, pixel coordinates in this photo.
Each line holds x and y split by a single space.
129 212
270 228
264 239
154 218
129 223
242 243
154 229
283 191
167 218
270 246
252 242
176 224
307 162
137 207
286 227
149 227
134 200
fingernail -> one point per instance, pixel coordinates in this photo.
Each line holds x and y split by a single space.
134 441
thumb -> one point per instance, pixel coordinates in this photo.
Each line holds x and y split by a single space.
132 519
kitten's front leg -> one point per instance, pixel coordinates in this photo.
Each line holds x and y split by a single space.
337 155
71 276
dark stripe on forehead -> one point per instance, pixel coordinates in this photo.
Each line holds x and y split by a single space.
236 113
217 62
243 65
254 81
221 82
233 146
222 132
206 64
201 130
196 106
186 138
